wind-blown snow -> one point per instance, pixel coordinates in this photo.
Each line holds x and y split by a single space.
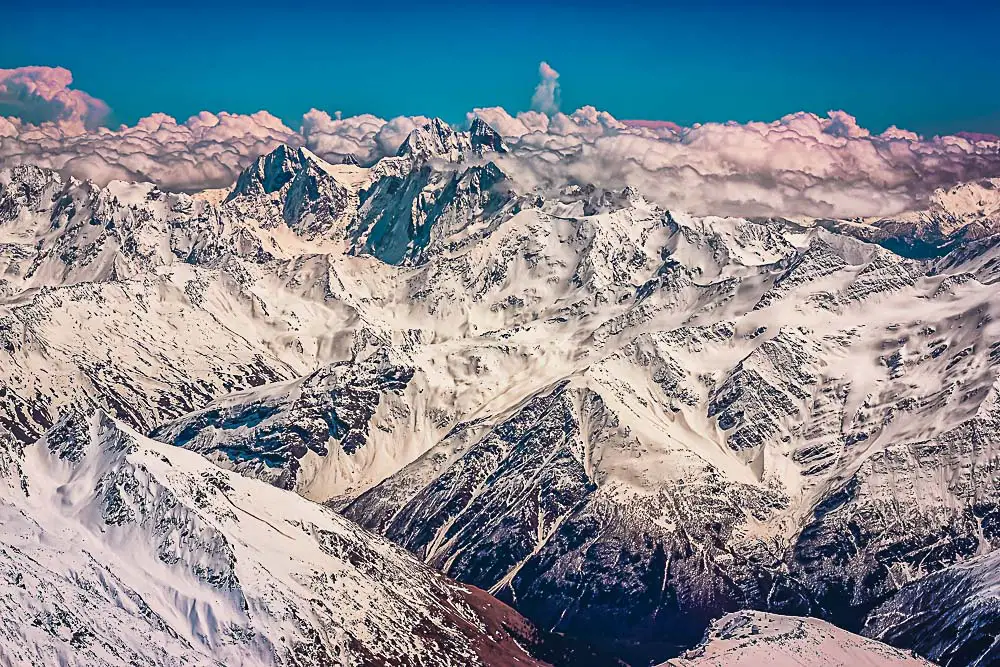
118 550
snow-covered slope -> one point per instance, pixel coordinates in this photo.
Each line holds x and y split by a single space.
326 431
752 639
761 416
118 550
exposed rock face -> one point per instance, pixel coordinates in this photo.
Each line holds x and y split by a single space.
402 217
437 140
951 616
267 433
297 187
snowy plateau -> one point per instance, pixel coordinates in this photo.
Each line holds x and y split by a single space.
417 413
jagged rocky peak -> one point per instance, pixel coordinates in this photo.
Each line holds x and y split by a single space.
434 139
22 187
268 173
297 185
484 137
271 172
416 205
26 179
437 139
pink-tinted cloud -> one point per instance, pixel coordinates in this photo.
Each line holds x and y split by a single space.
801 164
524 123
336 138
208 150
655 125
978 136
42 95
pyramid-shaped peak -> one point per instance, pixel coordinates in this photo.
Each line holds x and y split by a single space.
271 172
433 139
484 137
439 127
268 173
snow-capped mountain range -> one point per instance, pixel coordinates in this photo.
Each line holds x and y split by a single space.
622 421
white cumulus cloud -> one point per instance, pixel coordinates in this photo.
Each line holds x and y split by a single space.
801 164
337 138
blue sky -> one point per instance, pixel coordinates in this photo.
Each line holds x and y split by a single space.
932 68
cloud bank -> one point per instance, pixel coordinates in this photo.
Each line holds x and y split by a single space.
801 164
206 151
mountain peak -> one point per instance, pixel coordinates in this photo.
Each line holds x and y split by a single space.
433 139
268 173
484 137
438 139
271 172
306 157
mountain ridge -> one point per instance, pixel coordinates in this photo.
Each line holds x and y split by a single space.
204 566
